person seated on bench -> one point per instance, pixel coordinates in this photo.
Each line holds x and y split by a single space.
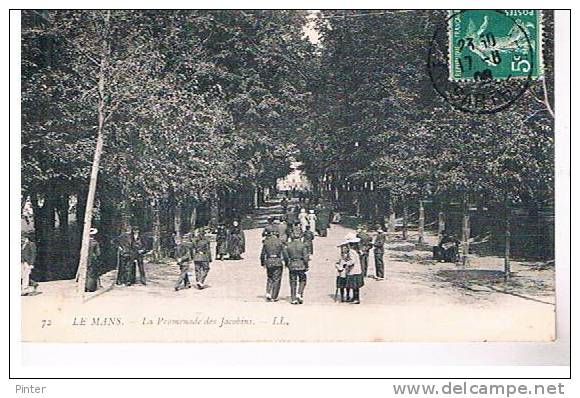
448 249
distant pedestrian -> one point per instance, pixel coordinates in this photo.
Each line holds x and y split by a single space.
379 252
236 242
365 245
303 218
308 239
270 227
322 220
296 230
284 204
221 238
183 256
201 258
282 229
312 220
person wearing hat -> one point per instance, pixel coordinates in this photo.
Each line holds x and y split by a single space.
27 260
345 262
308 239
92 281
379 252
131 247
272 258
303 218
297 264
201 258
282 229
365 245
221 238
354 272
183 256
296 230
236 242
139 250
270 227
312 220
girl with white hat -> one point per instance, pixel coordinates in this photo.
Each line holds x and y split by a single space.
349 270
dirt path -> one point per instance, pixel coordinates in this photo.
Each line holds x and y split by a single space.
419 300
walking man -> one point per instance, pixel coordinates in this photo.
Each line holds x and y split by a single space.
27 260
297 263
201 258
366 242
183 257
379 251
139 248
273 256
308 239
221 237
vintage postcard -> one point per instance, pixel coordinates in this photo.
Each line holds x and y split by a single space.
287 176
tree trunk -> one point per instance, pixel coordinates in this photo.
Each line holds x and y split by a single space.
466 233
421 222
177 219
193 217
405 221
392 217
441 224
507 267
105 51
156 230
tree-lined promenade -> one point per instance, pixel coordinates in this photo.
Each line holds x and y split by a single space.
196 114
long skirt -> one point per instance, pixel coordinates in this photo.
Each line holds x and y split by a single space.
354 281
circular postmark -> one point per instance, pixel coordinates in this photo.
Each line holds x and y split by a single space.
481 61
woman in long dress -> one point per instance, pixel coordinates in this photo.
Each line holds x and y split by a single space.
303 218
312 220
236 242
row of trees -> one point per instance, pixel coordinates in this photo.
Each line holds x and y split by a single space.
192 109
381 127
195 112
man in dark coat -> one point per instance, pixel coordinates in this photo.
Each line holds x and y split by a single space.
27 260
201 258
270 227
297 263
272 258
365 245
284 204
308 239
322 220
183 257
131 249
292 215
221 238
448 248
379 251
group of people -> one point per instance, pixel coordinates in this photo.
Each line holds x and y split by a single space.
353 264
289 241
196 248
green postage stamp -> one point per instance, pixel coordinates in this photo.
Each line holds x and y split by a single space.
495 44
